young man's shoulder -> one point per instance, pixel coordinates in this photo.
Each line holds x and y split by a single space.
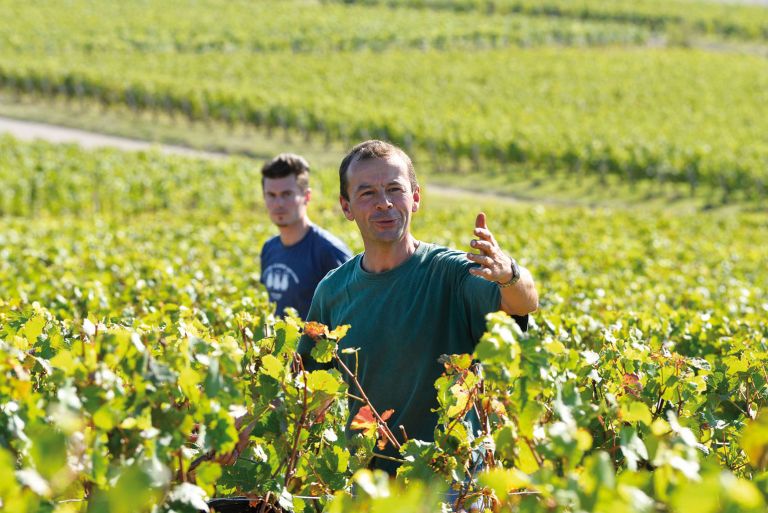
336 279
326 238
271 244
340 274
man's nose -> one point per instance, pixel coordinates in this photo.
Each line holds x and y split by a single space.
383 201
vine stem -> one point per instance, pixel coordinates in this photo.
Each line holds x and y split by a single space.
388 458
383 425
327 489
294 451
356 398
181 468
536 456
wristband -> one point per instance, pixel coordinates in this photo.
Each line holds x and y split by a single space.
515 276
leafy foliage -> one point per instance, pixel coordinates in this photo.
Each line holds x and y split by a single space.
136 350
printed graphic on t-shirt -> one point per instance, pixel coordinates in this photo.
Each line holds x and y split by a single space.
278 278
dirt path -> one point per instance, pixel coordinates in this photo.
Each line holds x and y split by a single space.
30 130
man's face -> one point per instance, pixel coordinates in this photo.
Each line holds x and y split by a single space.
381 200
286 202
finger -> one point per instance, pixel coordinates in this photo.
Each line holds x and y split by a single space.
481 259
482 272
483 245
480 222
484 234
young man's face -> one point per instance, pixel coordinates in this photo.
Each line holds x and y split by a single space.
286 202
381 200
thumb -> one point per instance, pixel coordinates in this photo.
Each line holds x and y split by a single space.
480 221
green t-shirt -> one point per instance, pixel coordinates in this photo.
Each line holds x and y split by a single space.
403 320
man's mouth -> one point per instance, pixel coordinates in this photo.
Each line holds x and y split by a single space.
385 222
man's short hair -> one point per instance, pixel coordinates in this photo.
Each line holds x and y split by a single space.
287 164
373 149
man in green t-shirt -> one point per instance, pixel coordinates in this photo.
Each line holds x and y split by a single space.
408 301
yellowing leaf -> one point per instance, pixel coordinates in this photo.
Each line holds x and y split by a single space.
188 381
128 423
553 346
339 332
754 441
742 492
103 419
33 328
503 481
322 381
272 367
64 361
527 461
635 411
583 439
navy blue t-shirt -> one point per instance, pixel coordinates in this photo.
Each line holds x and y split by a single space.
291 273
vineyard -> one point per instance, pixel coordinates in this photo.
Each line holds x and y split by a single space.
133 330
738 20
142 369
469 91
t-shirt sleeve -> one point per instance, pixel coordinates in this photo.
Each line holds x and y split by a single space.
481 297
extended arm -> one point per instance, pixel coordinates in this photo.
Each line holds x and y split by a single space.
519 298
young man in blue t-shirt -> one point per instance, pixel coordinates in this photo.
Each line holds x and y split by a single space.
294 262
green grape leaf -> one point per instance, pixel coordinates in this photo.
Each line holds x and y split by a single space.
272 367
635 411
323 350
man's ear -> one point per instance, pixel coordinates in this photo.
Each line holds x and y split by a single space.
416 199
307 195
345 208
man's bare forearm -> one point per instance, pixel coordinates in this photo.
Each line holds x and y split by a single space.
522 297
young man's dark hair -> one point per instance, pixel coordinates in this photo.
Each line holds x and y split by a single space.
373 149
287 164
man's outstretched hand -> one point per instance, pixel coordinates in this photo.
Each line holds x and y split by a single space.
518 299
495 265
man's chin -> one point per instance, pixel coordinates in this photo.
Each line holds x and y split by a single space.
389 235
280 221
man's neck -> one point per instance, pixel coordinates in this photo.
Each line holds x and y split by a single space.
379 258
290 235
